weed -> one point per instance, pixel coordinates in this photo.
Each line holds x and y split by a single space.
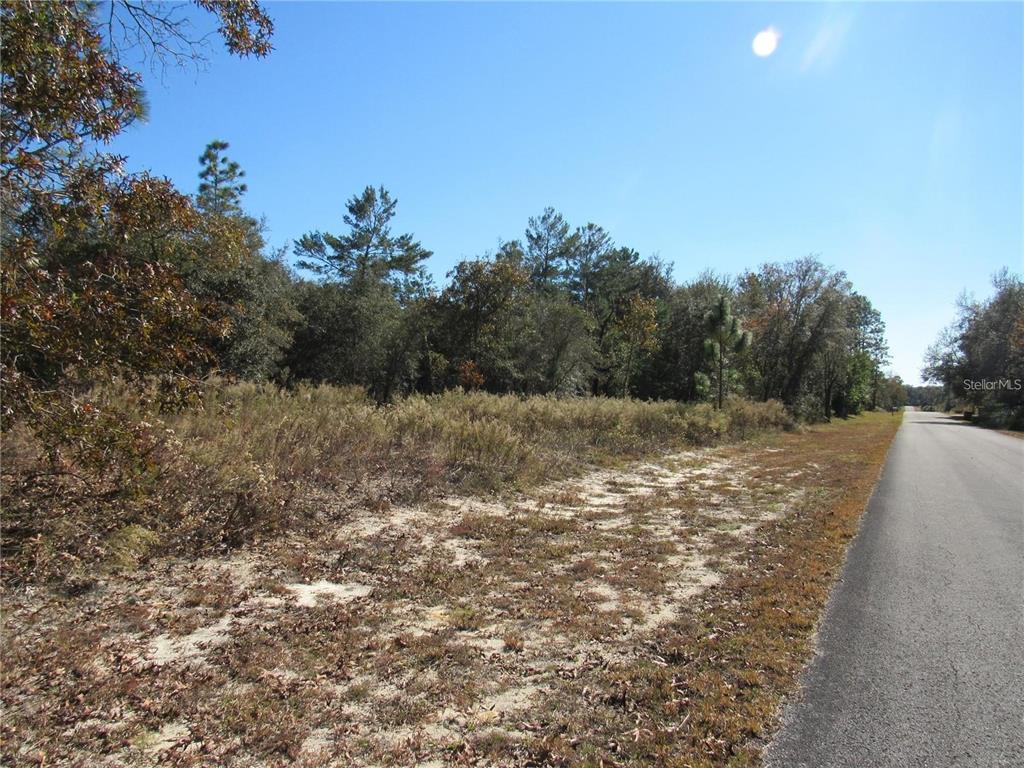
256 460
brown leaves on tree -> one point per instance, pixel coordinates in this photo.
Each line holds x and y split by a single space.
93 287
244 25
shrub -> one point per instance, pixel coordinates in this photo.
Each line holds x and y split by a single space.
255 458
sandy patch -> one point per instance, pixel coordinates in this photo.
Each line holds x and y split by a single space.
608 595
168 735
309 595
166 648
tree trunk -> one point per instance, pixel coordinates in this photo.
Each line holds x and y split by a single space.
721 370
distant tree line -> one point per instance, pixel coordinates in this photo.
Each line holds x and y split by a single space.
979 359
561 310
927 396
108 276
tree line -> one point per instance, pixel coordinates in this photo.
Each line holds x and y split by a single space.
560 310
978 361
110 276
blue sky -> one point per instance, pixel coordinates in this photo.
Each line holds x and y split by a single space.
887 138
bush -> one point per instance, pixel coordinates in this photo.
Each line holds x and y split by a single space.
255 458
747 418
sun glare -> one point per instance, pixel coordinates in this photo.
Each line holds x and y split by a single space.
765 42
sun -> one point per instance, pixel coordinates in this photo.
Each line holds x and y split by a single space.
765 42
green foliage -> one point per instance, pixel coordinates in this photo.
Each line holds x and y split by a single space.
479 317
220 191
558 314
548 248
262 321
725 338
608 282
637 329
979 359
820 346
255 293
892 394
368 253
364 324
356 336
569 314
678 368
933 396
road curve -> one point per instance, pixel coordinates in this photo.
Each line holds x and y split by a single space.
920 656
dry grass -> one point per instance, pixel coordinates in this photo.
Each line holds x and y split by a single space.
256 460
642 614
706 690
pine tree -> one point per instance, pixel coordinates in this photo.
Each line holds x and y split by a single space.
549 245
369 253
725 338
220 191
253 291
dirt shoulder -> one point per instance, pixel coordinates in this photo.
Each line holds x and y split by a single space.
653 614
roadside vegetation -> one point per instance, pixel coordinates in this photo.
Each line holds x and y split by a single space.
257 459
978 362
641 613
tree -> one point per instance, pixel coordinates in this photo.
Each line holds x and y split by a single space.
97 305
548 246
893 393
637 327
65 89
792 309
554 346
368 253
221 188
92 289
926 396
980 357
233 271
589 252
360 329
725 338
870 344
583 268
677 369
479 317
613 278
482 294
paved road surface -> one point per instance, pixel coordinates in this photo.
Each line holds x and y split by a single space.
921 652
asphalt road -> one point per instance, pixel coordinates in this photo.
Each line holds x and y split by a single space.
921 652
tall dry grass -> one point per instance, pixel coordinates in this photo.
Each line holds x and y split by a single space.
479 442
256 458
